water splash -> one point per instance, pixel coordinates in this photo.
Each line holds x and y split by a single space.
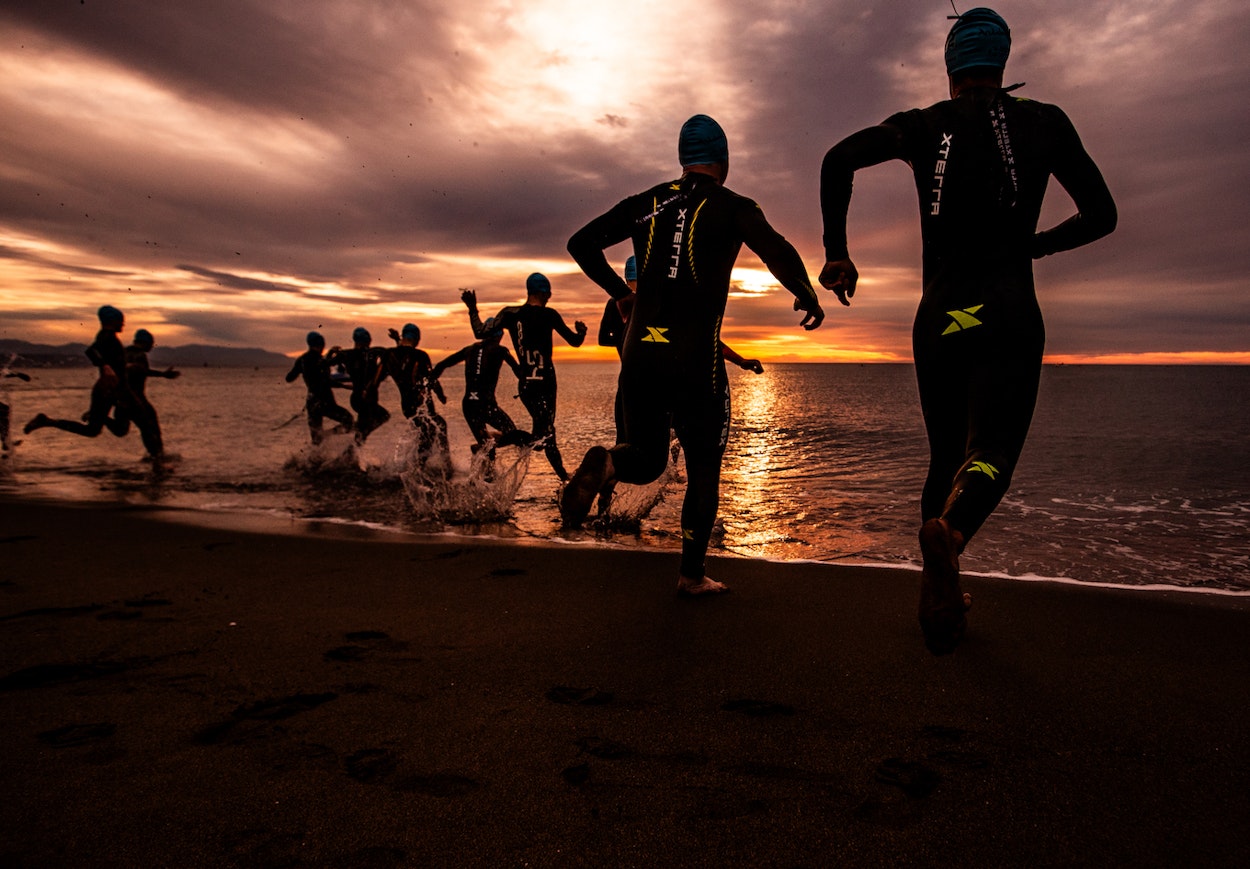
630 505
334 456
486 494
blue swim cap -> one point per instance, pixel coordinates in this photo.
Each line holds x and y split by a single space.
701 142
410 330
143 336
631 269
315 339
492 327
979 37
360 335
538 283
110 316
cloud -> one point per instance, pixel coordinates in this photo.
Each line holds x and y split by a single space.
263 164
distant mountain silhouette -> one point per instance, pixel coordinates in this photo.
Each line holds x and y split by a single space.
188 356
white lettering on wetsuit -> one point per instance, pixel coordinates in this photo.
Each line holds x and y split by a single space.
679 232
939 173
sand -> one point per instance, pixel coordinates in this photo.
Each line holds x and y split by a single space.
188 690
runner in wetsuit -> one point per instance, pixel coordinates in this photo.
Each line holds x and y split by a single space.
482 412
110 390
530 326
320 403
686 235
612 334
981 161
409 368
141 412
5 373
363 364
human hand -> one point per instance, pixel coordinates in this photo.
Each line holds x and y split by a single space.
814 315
469 297
172 373
840 276
579 327
752 365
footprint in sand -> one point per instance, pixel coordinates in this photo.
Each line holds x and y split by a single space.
77 734
270 709
570 696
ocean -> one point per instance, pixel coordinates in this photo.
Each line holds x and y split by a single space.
1133 475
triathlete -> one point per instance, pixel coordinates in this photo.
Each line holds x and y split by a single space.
686 235
981 161
408 366
141 412
110 390
320 403
5 373
363 364
482 362
530 326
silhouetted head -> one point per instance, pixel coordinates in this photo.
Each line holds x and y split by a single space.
361 337
144 340
979 40
111 318
315 340
702 147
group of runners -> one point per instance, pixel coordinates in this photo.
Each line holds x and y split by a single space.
119 395
981 161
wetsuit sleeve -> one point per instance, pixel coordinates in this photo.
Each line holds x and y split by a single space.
512 363
296 370
454 359
866 148
557 323
1077 173
588 244
777 253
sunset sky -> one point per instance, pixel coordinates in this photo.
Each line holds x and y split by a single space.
238 172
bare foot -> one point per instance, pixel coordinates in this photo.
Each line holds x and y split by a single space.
687 587
942 603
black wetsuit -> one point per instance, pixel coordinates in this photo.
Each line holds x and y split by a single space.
981 164
107 393
363 365
482 362
686 236
140 411
410 368
320 403
531 327
612 334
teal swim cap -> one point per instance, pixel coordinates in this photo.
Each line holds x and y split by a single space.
143 336
492 328
410 330
538 283
631 269
979 37
360 335
315 339
110 316
702 141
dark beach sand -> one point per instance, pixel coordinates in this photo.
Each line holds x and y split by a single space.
174 694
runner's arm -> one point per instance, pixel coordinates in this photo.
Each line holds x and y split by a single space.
588 244
868 147
782 260
1096 214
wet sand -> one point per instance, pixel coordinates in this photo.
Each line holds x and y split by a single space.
214 694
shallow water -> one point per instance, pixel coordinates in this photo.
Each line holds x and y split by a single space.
1132 475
